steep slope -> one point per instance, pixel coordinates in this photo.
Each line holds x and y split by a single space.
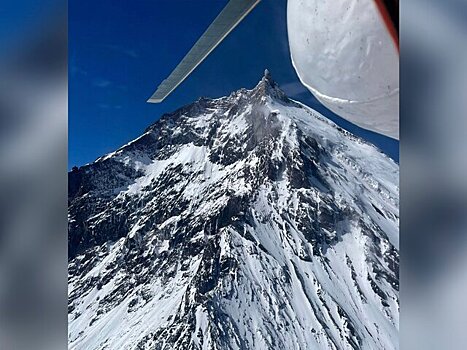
245 222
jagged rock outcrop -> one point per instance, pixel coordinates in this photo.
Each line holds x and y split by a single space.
244 222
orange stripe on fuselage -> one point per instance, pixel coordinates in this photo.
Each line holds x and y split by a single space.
390 25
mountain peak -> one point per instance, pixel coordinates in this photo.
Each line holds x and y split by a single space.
268 87
230 212
267 78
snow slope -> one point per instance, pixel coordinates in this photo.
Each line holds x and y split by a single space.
245 222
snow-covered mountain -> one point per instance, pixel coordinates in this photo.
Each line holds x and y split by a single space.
244 222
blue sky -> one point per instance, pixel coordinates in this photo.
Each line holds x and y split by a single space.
119 51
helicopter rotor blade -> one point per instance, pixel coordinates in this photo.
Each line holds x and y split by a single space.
232 14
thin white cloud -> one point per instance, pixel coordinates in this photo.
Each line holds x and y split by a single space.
122 50
102 83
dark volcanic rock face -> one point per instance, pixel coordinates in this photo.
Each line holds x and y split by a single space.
245 222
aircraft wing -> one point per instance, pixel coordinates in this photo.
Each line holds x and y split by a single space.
225 22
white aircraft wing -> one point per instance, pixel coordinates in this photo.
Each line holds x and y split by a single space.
346 54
